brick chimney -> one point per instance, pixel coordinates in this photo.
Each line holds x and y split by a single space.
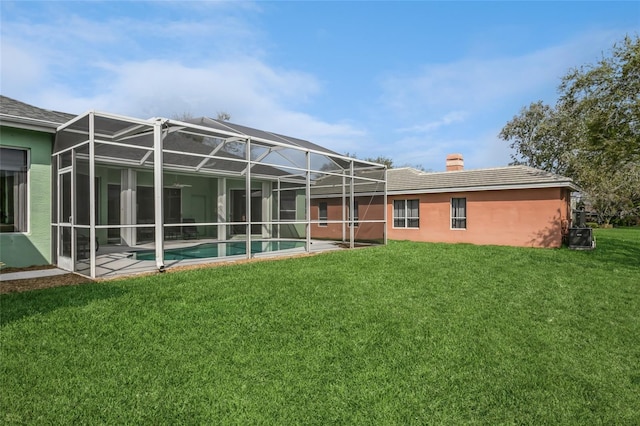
454 162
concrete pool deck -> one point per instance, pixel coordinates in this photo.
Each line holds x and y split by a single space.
117 261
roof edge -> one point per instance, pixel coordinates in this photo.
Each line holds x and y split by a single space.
28 123
560 184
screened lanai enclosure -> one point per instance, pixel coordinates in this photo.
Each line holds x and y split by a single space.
136 195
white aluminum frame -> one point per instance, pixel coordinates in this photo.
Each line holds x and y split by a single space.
159 128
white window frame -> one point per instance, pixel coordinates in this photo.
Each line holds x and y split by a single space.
356 209
27 213
323 220
288 212
405 217
458 218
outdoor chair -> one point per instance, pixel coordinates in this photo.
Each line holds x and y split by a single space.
189 231
82 248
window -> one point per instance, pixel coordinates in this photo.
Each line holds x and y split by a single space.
13 190
355 214
172 203
145 204
288 205
459 213
406 213
322 213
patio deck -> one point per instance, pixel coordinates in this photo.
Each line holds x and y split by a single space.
119 260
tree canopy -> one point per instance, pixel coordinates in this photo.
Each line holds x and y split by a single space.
592 134
223 116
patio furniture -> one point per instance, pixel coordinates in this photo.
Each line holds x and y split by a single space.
172 232
189 231
83 246
145 234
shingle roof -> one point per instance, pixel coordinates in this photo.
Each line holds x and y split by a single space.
17 112
408 180
249 131
184 143
20 113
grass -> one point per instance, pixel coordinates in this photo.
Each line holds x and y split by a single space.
410 333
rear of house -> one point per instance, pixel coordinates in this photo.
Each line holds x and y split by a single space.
332 219
298 191
26 142
101 194
513 205
519 217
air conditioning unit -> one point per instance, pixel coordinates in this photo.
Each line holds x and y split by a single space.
581 239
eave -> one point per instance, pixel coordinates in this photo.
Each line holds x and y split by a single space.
28 123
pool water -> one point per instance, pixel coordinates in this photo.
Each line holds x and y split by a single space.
206 250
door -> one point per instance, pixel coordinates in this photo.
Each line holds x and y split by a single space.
199 212
65 229
113 212
238 211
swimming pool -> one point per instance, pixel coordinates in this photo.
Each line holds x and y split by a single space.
207 250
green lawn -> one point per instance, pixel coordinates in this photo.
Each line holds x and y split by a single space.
410 333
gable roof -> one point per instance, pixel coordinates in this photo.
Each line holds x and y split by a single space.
25 116
412 181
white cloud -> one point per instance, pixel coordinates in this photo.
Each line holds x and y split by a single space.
450 118
200 58
72 36
164 66
481 95
252 92
19 69
412 150
168 87
485 150
477 83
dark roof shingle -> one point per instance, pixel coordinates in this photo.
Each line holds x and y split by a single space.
15 111
510 177
249 131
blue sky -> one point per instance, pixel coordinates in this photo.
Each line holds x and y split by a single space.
412 81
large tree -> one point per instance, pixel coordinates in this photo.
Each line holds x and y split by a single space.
604 102
537 137
592 134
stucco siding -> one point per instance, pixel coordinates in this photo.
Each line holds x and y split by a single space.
526 218
369 208
32 247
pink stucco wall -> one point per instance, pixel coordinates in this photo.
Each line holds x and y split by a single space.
370 208
518 217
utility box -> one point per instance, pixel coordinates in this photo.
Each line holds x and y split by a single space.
581 239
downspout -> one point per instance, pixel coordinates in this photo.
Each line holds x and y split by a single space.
307 203
344 208
386 218
351 212
158 192
248 219
92 197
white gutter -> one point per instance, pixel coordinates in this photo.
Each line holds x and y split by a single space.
28 123
563 184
